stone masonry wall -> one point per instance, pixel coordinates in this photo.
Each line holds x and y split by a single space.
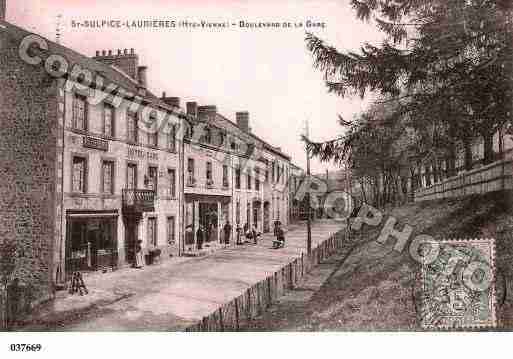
28 148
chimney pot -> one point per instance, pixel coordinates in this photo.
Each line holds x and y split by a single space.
97 53
125 51
119 51
132 51
207 112
3 10
243 121
192 108
110 52
163 94
104 52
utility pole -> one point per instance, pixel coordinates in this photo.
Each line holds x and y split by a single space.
308 221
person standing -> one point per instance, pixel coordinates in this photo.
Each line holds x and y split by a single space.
254 234
139 256
280 234
200 233
239 234
227 232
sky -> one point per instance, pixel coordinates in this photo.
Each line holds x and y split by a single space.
268 72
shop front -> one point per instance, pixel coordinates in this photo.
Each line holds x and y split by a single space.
209 213
91 241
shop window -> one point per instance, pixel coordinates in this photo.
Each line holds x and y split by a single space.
171 231
132 126
152 231
108 120
108 177
172 182
131 176
79 178
79 113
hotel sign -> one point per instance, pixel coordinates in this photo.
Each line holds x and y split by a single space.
137 153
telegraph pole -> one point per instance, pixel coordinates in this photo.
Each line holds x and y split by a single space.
308 220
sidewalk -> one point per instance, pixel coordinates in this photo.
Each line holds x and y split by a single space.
176 293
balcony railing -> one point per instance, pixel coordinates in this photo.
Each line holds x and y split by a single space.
138 200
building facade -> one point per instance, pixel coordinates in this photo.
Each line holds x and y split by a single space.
110 169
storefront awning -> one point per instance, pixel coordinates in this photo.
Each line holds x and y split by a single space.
91 214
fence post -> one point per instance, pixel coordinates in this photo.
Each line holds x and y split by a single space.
237 314
270 291
221 324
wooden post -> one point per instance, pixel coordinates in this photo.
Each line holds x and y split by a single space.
237 314
221 324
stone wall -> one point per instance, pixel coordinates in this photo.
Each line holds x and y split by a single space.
28 153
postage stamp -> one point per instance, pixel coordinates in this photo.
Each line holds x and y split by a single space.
458 290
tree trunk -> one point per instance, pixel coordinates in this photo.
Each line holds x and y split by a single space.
468 154
488 148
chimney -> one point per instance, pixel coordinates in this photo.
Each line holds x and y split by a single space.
3 9
192 109
171 101
243 121
207 112
128 63
142 77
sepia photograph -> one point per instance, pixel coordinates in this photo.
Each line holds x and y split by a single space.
338 167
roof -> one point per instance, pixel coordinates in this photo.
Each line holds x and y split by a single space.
264 143
109 73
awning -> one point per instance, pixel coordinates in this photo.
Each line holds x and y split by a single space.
91 214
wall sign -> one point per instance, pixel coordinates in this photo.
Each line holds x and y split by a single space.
137 153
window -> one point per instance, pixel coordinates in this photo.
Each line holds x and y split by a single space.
171 234
152 231
237 212
78 180
248 177
237 178
132 126
225 176
190 172
131 176
257 179
79 113
266 175
152 131
171 138
172 182
152 178
278 173
210 181
273 172
108 177
208 135
108 120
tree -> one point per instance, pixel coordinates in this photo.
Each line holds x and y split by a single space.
447 63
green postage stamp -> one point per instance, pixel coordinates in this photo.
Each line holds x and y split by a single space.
458 290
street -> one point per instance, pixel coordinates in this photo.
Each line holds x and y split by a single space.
176 293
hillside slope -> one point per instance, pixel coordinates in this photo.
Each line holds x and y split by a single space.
373 286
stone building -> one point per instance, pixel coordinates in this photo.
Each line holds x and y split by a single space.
231 175
94 164
94 153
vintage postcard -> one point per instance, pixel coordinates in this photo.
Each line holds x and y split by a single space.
255 166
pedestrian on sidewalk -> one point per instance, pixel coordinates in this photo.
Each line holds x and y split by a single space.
227 232
255 234
200 234
280 234
247 233
239 234
139 256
